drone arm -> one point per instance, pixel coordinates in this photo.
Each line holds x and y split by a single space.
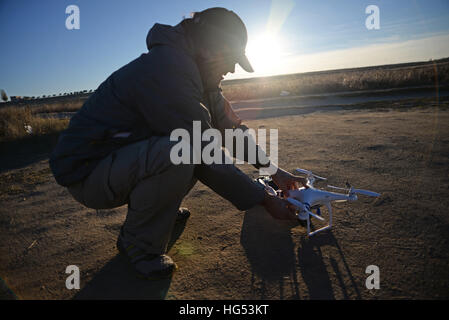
334 196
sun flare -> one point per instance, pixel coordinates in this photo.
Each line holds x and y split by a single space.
264 53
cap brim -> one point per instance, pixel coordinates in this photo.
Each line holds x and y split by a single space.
244 63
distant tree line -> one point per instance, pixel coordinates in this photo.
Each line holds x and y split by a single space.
4 96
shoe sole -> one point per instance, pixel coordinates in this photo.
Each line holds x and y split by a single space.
157 277
162 275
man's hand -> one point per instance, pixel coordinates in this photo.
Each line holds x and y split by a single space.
287 181
278 208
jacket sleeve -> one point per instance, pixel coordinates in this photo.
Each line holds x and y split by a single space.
223 117
169 96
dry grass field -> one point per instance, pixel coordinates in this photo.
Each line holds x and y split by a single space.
370 78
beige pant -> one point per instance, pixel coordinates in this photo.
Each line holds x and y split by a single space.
142 176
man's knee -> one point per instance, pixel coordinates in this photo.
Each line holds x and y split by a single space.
167 187
159 156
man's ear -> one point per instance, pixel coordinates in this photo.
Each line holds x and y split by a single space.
205 54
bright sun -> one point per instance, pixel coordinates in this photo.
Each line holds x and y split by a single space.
264 53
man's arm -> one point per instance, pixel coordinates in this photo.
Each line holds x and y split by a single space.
223 117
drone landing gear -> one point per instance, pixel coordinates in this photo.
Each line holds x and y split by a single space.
323 228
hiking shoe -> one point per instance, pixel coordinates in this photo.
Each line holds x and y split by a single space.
182 215
147 266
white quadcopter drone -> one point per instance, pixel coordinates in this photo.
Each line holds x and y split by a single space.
307 199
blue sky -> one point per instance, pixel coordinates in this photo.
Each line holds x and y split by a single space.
40 56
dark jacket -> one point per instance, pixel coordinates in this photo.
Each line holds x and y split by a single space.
152 95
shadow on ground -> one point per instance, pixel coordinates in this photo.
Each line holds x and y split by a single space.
314 272
118 280
270 250
23 152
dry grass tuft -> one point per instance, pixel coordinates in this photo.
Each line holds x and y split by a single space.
62 106
21 122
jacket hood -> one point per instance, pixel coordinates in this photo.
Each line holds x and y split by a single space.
173 36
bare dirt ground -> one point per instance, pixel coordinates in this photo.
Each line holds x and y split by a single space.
400 150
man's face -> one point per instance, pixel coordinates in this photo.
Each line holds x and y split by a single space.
215 65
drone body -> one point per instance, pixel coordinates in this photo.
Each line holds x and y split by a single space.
309 198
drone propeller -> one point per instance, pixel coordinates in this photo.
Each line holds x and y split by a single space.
360 191
315 215
301 206
366 192
269 188
338 188
307 172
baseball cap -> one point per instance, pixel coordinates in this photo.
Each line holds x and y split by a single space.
224 27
